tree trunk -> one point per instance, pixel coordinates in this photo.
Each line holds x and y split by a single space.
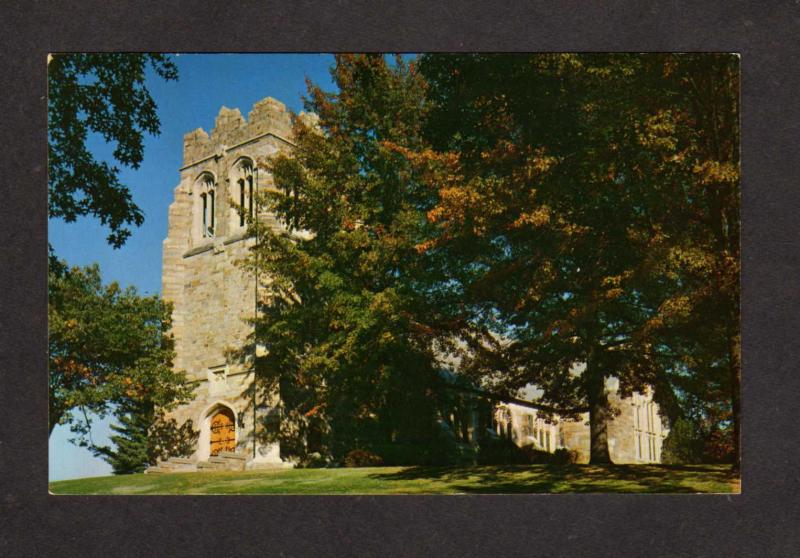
598 415
53 417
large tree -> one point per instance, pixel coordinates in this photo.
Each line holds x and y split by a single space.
103 94
340 316
699 95
583 192
109 348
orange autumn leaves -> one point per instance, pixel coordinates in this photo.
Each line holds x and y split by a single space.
473 205
72 368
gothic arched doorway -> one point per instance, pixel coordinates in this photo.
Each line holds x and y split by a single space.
223 431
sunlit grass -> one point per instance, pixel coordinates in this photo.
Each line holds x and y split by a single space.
519 479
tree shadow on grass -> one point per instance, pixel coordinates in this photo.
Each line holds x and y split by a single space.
525 479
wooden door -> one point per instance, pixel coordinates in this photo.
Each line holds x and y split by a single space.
223 432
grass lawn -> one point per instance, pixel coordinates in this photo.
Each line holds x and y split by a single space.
518 479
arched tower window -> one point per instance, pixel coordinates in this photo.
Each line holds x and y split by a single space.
244 192
206 210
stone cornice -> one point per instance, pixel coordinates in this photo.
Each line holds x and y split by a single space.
240 144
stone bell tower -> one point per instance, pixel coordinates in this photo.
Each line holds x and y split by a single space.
212 296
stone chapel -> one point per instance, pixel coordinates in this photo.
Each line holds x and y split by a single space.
213 298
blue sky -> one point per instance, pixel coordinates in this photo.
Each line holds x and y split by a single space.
206 82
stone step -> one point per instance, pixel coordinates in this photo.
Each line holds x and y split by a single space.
167 467
227 463
208 466
175 466
181 460
231 455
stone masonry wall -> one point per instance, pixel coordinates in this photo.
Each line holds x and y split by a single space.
212 296
624 432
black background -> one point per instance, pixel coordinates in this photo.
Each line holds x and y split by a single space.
762 521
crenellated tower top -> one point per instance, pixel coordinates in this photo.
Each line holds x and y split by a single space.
268 116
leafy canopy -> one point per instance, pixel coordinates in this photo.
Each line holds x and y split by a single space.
340 320
582 191
105 94
109 347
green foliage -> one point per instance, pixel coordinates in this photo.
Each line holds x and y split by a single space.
684 443
130 452
143 436
699 441
564 456
543 219
108 349
439 447
502 451
340 315
594 201
105 94
166 438
499 451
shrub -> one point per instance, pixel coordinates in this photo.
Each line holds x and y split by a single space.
455 453
400 453
718 446
438 451
313 460
500 451
445 449
564 456
362 458
684 443
529 454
